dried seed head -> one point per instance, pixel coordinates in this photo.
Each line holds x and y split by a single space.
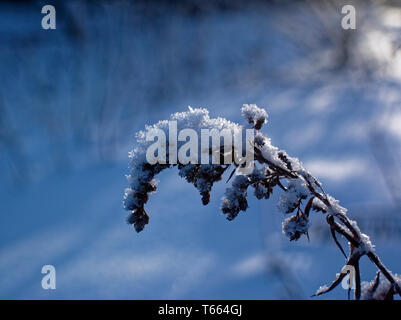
295 226
254 115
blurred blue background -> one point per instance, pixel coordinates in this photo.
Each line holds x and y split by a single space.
71 100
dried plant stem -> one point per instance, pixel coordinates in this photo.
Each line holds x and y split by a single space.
276 168
346 229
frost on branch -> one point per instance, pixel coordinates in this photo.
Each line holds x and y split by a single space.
235 201
379 288
296 192
254 115
295 226
272 169
142 175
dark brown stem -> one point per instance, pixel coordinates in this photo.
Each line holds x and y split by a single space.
375 259
357 281
347 230
340 229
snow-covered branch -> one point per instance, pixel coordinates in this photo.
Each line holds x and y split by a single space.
271 168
